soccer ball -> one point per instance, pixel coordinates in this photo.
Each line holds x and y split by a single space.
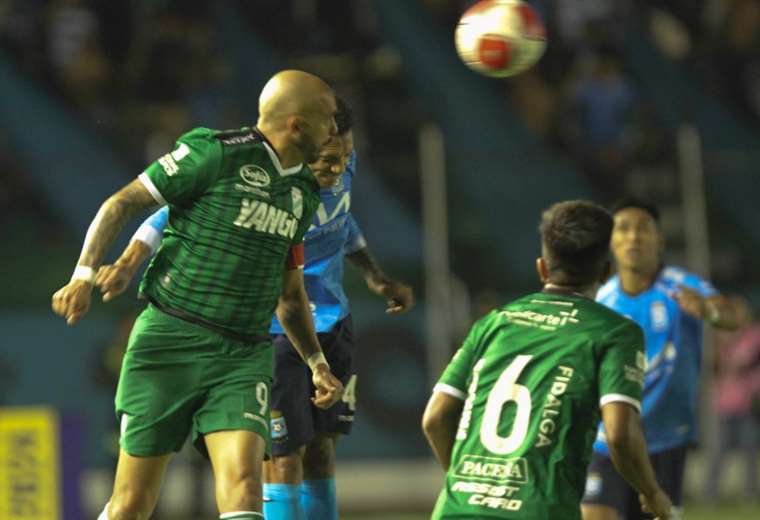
500 38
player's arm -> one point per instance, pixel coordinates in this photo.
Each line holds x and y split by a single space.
621 383
114 279
442 413
294 315
439 423
628 451
72 301
715 309
399 296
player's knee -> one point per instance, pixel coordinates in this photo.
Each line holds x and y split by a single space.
131 505
319 458
598 512
285 469
240 490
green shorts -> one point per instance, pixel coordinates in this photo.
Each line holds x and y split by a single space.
179 377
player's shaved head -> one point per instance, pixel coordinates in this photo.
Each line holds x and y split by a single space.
291 92
297 115
575 238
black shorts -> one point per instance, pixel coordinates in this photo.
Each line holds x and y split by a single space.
294 419
605 486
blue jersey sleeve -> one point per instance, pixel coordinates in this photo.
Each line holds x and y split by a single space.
703 287
151 231
355 240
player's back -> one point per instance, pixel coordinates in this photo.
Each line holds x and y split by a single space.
533 375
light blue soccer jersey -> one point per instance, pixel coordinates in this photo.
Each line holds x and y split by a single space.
673 341
333 234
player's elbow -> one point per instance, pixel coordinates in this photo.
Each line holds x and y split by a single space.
431 423
620 437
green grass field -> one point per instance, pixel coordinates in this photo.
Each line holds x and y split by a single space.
693 512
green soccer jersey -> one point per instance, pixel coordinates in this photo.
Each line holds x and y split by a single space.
234 214
533 376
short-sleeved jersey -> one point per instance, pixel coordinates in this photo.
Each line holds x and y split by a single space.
533 376
674 352
234 214
333 234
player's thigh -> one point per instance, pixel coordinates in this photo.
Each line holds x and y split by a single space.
237 382
669 469
286 468
138 482
236 458
319 456
292 422
599 512
160 384
607 494
339 348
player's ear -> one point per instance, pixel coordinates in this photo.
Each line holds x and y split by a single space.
294 124
542 270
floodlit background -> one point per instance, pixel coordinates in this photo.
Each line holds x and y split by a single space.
660 99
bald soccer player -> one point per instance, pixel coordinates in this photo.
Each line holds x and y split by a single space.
199 358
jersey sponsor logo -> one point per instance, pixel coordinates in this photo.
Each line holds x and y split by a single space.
279 427
297 200
252 189
495 503
493 469
322 217
484 489
169 161
266 218
593 485
641 360
658 313
548 425
255 175
550 322
253 417
466 417
240 139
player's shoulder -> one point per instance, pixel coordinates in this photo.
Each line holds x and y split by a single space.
237 136
198 134
672 276
610 288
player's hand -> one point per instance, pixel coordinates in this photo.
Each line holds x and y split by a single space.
658 505
398 296
72 301
112 280
328 387
690 301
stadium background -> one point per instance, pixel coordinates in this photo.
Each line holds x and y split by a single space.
453 171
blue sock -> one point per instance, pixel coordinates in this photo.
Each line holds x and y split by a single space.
318 499
281 502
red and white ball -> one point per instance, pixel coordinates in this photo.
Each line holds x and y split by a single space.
500 38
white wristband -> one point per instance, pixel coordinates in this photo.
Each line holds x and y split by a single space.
316 359
82 272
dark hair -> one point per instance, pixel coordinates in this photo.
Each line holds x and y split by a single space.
575 236
344 117
635 202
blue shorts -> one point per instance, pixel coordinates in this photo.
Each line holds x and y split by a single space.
294 419
605 486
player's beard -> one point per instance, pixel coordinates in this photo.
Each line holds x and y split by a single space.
309 149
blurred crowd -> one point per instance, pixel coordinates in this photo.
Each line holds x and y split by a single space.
142 73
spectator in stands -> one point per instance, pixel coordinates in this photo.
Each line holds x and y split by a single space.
735 398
